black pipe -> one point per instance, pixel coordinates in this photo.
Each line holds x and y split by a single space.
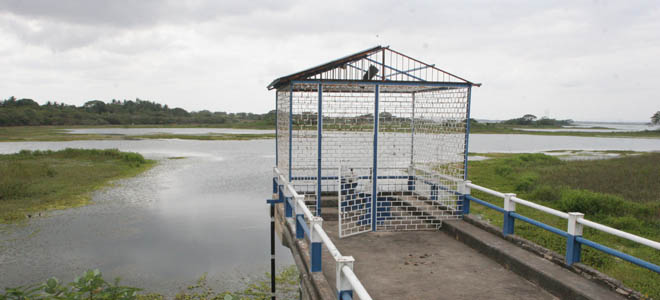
272 251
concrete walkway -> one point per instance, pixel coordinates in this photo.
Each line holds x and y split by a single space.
426 265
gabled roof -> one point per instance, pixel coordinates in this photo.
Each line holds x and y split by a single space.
374 64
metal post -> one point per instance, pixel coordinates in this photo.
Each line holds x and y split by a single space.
465 190
374 172
412 132
509 207
343 286
319 125
300 232
277 109
573 247
467 132
288 210
315 249
272 251
290 129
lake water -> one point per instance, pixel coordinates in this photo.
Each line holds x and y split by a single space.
202 214
586 127
146 131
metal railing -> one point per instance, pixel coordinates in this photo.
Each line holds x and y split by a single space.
573 233
298 216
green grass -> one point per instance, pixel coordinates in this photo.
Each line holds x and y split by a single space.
59 133
623 193
37 181
494 128
92 285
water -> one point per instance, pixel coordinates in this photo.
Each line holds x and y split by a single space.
202 214
586 127
147 131
160 230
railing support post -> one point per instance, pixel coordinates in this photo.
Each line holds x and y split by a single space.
464 190
274 185
573 247
300 232
509 207
288 210
315 249
343 286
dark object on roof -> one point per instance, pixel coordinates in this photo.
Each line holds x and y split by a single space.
369 74
360 66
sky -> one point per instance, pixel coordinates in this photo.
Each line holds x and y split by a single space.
583 60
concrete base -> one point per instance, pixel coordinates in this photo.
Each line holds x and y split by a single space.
462 261
426 265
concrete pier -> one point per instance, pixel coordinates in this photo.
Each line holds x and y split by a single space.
460 261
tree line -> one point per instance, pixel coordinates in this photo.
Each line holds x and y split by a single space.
23 112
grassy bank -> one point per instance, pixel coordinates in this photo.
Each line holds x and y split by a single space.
497 128
92 285
38 181
59 133
623 193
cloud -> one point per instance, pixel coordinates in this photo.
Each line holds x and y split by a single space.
572 58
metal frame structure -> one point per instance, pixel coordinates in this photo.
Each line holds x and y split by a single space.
385 133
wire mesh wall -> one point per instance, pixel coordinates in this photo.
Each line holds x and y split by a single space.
420 151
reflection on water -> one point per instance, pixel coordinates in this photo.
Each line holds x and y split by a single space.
160 230
205 213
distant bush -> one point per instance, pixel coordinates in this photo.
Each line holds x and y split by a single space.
26 112
546 193
592 203
90 285
526 182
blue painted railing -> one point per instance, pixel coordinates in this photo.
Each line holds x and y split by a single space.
573 234
306 225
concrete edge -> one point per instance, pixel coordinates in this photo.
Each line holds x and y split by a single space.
315 284
585 271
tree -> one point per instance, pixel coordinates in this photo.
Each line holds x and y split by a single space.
529 117
655 119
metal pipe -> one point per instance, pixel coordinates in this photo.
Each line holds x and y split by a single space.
619 233
272 251
540 207
319 125
358 288
327 242
467 132
485 190
374 172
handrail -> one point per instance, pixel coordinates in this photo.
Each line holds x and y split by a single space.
575 223
316 234
358 288
327 241
619 233
485 190
542 208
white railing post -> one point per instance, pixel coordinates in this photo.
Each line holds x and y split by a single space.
464 190
573 247
315 249
343 285
509 208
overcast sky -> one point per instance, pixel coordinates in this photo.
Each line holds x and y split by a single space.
584 60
